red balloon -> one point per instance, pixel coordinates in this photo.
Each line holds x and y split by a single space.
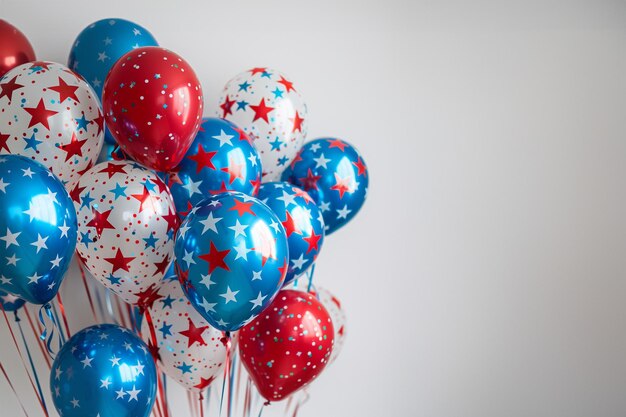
15 49
288 345
152 103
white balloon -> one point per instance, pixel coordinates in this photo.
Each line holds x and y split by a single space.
265 104
126 223
190 350
51 115
337 315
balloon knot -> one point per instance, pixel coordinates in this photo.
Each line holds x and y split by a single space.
266 403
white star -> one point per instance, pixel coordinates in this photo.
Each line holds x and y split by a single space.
256 275
27 173
320 218
103 336
104 383
274 226
12 260
52 196
10 238
96 82
57 373
253 159
102 56
258 301
315 147
40 243
298 263
139 368
208 307
75 403
86 362
108 41
287 198
57 391
343 213
221 322
188 258
223 138
214 203
32 212
120 394
127 346
64 229
229 295
136 32
239 229
210 223
206 280
242 251
115 361
133 394
321 161
183 229
324 206
3 185
193 187
34 278
5 280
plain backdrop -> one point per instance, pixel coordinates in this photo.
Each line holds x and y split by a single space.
486 275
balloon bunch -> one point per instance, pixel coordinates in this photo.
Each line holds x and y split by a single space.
237 204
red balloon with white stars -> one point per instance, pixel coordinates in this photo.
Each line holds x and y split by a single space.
51 115
126 225
288 345
152 102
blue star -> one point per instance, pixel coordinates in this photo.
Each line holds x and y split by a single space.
114 280
119 191
150 241
32 142
276 144
165 329
244 86
81 123
84 238
167 302
283 160
241 105
277 93
86 200
149 185
266 74
184 367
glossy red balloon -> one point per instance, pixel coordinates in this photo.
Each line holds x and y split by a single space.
288 345
15 49
152 102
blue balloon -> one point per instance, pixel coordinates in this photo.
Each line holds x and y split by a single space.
105 371
10 302
302 220
335 175
231 257
37 230
100 45
221 158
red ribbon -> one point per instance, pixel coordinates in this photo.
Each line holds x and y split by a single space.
37 332
13 388
62 308
82 274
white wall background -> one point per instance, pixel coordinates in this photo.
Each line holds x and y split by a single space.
486 275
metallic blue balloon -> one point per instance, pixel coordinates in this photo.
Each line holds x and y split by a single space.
334 174
100 45
302 220
221 158
105 371
37 230
231 258
10 302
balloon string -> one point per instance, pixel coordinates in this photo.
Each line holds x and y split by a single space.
30 359
13 389
231 384
238 387
311 277
86 285
246 399
54 326
164 406
208 398
120 311
201 404
226 341
37 333
30 379
58 324
132 318
155 354
62 308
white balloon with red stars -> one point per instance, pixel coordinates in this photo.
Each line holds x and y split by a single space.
267 106
337 315
51 115
190 350
126 225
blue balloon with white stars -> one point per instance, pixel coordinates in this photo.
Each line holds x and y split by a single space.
302 220
10 302
100 45
221 158
231 258
37 230
335 175
104 370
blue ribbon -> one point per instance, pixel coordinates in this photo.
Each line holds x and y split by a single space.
44 334
32 365
311 277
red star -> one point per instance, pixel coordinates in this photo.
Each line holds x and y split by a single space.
288 84
227 106
172 220
145 198
255 186
234 171
185 213
148 296
7 88
222 189
100 221
290 225
3 142
113 169
215 258
242 207
99 121
283 270
204 383
162 266
160 185
301 193
257 70
297 159
203 159
42 64
261 111
194 334
336 143
361 167
39 114
183 278
342 185
65 91
297 122
75 147
310 181
75 193
119 261
313 242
